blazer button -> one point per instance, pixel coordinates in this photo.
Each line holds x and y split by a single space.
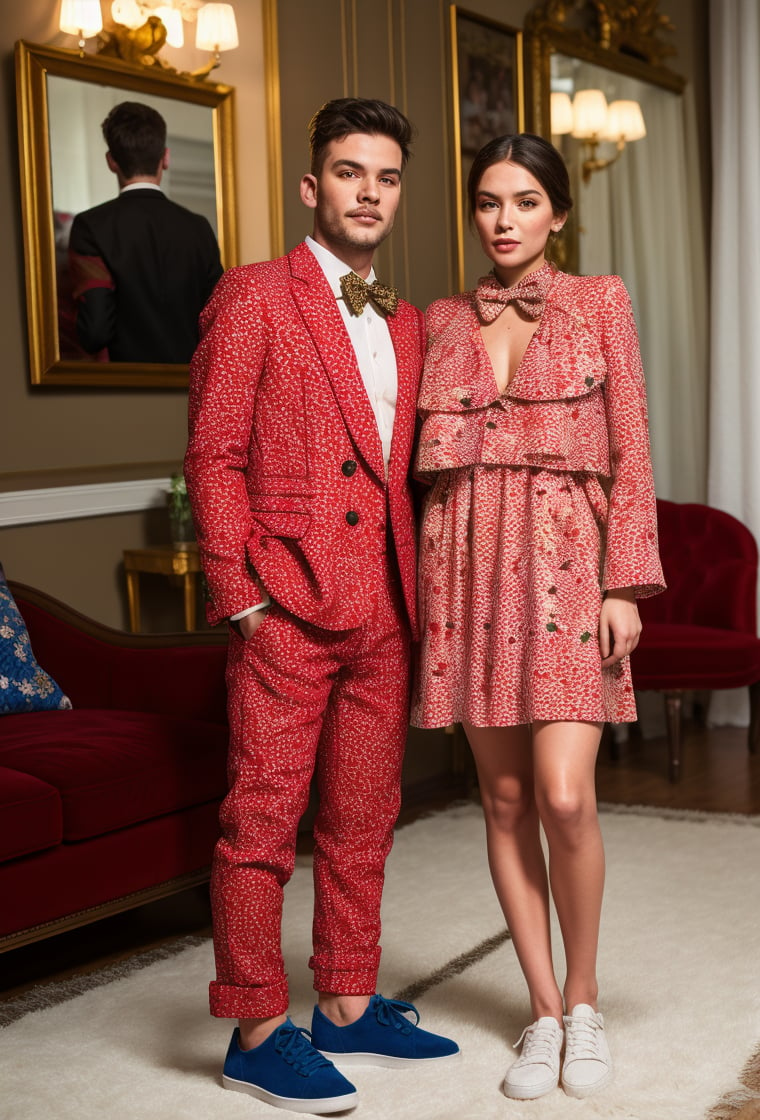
348 467
352 517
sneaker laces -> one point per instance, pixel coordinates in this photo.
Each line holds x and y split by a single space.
390 1013
540 1046
295 1046
581 1038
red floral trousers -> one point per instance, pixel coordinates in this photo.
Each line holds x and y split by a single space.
300 698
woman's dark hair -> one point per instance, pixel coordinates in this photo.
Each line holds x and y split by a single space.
339 118
136 138
536 155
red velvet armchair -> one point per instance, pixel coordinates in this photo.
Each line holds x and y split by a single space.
701 633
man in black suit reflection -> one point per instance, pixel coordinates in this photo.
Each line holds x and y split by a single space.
143 267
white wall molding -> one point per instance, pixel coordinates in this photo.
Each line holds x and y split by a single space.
66 503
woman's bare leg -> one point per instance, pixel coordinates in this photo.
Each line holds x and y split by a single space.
564 759
503 756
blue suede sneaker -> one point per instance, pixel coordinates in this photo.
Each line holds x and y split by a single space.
383 1036
287 1072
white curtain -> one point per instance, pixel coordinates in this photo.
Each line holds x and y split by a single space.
734 461
642 219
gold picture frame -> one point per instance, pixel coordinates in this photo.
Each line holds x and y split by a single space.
488 101
35 65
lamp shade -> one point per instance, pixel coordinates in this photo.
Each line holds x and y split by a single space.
81 17
127 13
561 114
172 21
625 121
589 113
217 30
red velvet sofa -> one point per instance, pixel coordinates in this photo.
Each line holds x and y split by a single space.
113 803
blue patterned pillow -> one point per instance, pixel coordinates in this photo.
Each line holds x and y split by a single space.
24 686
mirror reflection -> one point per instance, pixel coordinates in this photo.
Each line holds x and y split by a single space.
614 175
131 282
639 216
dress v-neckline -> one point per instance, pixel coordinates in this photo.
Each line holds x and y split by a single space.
487 356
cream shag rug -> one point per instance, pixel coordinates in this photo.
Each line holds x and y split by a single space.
679 965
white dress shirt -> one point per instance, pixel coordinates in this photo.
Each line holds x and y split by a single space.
375 357
141 187
372 345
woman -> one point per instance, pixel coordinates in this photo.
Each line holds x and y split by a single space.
538 535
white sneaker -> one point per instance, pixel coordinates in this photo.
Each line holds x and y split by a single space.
588 1065
536 1071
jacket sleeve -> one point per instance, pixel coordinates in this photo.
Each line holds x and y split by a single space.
212 259
93 289
631 554
224 375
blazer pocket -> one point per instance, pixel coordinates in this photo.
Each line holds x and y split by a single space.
281 523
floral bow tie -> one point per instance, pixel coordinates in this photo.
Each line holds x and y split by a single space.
356 292
529 294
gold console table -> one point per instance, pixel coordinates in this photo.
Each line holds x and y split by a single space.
181 565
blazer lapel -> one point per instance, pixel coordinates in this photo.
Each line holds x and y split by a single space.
406 345
321 316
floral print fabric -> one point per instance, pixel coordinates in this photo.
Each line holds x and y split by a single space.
542 498
24 686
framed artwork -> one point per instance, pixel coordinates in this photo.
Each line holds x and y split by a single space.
487 87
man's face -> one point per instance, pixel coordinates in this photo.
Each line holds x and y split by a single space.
355 196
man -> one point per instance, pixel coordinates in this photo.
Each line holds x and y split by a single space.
142 266
302 409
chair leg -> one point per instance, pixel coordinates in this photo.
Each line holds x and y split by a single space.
754 717
673 719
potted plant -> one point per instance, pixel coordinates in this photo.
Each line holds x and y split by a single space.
180 517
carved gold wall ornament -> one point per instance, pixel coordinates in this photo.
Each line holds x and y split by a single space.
628 26
139 46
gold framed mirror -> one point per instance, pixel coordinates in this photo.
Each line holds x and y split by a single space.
638 213
62 97
617 50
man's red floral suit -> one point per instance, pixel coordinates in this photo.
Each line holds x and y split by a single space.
289 491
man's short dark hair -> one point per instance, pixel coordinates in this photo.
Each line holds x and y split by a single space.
339 118
136 138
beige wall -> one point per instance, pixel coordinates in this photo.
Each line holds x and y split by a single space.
396 49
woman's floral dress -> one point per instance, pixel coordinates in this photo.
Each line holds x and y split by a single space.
541 499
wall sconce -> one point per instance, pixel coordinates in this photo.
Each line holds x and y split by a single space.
590 119
133 14
217 30
156 23
82 18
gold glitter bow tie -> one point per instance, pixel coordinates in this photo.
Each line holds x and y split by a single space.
492 297
356 292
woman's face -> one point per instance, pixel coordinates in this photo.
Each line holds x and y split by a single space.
513 217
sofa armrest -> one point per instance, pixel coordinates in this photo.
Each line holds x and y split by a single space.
97 666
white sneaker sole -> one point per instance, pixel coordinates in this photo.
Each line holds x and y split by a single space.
318 1106
386 1061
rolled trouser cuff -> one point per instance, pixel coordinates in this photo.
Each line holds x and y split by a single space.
231 1001
345 981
